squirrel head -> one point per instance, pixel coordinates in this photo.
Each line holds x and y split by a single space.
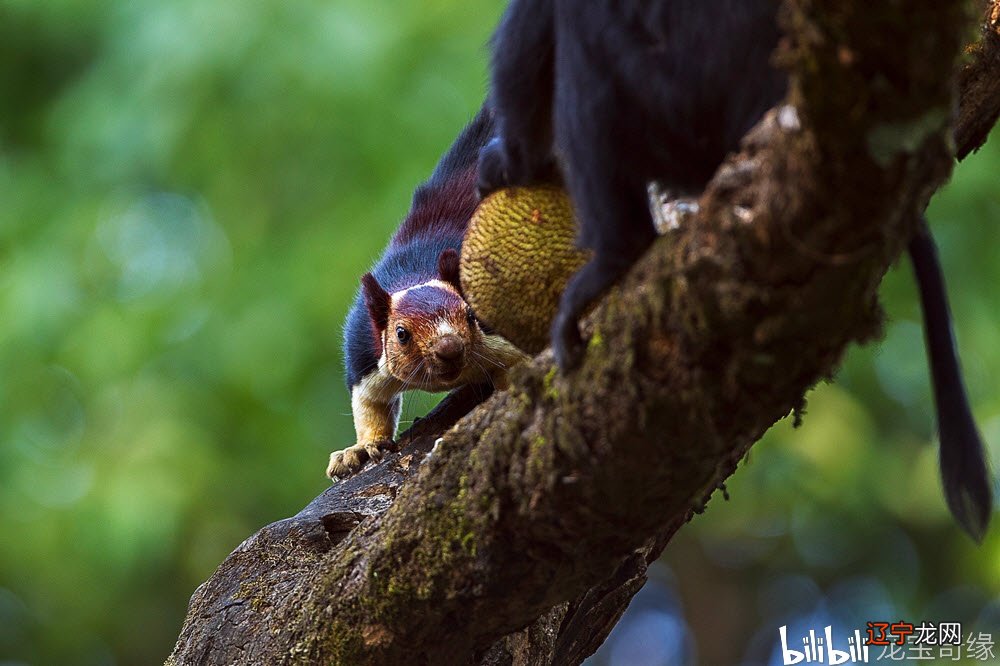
425 334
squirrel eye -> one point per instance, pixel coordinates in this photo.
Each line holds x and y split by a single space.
402 334
471 318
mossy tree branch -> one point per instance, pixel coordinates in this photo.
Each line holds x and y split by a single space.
543 506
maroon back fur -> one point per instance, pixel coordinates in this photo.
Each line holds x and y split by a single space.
441 207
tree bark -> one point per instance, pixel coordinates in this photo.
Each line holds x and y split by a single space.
517 531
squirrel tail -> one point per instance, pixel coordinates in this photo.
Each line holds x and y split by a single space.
964 472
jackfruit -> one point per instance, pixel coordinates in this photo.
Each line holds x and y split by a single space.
518 254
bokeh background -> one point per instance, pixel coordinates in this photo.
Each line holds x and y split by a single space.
189 191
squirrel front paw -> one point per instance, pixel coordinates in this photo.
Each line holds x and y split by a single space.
502 164
350 461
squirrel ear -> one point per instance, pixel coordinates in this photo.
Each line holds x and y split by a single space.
378 301
448 268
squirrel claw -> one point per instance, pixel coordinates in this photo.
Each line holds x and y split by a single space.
566 342
348 462
492 168
377 450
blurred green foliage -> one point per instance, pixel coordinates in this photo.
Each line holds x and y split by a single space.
189 193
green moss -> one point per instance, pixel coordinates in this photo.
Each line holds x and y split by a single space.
342 645
549 384
469 544
596 340
539 455
450 535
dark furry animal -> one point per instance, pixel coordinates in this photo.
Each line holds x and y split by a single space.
625 92
609 95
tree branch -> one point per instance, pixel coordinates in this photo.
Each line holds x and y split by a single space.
979 86
543 507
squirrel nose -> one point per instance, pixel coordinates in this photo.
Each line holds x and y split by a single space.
449 348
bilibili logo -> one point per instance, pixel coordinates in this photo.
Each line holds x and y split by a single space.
888 641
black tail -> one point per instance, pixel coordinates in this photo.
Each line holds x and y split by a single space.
967 484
